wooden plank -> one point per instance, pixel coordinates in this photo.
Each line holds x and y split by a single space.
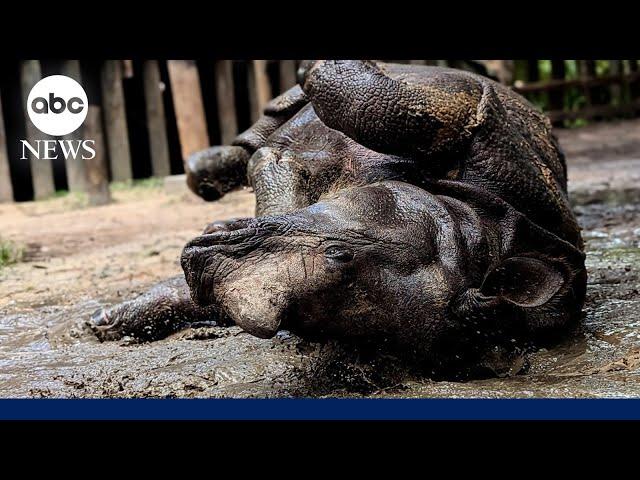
254 109
6 189
548 85
634 85
597 93
259 87
584 74
226 99
41 169
616 69
188 105
97 175
127 68
533 71
287 74
74 166
503 70
556 97
628 85
599 111
115 121
156 121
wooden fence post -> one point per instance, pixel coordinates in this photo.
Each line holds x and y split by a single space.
597 93
503 70
584 74
558 72
97 176
634 88
507 72
127 68
41 169
616 68
226 101
74 166
556 96
156 122
533 71
116 121
188 105
533 75
259 87
287 74
6 190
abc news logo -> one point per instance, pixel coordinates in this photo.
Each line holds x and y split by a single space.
41 105
57 105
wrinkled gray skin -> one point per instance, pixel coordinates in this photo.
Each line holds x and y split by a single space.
417 208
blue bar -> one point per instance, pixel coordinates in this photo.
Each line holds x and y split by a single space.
320 409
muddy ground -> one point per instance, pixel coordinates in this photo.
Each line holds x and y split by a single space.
77 259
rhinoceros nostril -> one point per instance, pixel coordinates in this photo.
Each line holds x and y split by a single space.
219 226
229 225
193 269
208 239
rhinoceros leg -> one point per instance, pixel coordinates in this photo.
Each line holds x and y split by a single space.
213 172
280 182
217 170
159 312
393 111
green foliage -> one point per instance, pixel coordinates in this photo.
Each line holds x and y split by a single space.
577 123
574 98
571 69
602 67
544 66
10 253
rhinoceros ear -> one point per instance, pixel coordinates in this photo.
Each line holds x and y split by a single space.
523 300
524 281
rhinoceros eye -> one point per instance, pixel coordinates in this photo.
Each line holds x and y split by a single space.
338 253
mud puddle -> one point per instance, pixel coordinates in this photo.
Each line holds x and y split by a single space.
45 350
78 259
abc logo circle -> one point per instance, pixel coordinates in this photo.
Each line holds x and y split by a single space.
57 105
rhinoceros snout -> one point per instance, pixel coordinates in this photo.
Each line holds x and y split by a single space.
194 261
202 256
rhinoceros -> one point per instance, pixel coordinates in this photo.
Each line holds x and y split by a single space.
421 208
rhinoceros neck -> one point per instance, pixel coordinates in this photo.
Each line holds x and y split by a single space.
491 229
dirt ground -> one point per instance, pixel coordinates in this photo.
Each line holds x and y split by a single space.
77 259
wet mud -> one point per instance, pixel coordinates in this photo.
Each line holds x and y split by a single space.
78 259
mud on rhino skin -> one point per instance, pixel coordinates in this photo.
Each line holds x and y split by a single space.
418 209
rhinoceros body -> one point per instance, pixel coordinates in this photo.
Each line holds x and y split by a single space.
418 207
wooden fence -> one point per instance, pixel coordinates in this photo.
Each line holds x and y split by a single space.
582 89
147 116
